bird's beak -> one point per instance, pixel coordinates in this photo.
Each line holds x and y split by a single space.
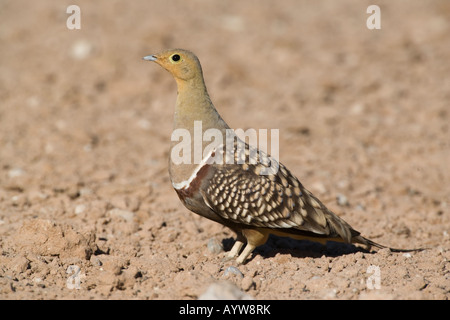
150 58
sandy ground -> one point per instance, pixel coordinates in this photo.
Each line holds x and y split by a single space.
86 207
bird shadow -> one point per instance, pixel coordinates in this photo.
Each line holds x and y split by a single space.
299 248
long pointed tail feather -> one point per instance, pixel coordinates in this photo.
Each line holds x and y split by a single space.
369 243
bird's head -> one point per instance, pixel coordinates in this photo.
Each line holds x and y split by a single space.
182 64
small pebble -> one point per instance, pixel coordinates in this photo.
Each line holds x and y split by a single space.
19 264
17 172
80 208
86 191
81 49
19 200
125 214
96 261
342 200
233 270
214 246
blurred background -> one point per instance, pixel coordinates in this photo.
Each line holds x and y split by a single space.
363 114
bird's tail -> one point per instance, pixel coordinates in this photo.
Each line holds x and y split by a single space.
368 244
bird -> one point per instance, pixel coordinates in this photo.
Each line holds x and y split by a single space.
236 193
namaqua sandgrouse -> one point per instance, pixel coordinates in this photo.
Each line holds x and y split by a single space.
240 188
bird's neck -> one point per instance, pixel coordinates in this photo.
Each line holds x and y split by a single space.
194 114
194 104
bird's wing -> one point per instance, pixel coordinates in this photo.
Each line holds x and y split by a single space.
240 193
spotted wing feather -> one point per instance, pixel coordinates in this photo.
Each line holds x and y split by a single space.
241 194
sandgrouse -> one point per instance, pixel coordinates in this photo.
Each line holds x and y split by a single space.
240 188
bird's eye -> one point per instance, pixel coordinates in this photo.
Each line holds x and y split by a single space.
175 58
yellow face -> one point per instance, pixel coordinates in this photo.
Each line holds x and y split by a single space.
182 64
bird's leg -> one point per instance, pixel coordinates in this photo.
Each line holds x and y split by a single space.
245 253
255 237
234 252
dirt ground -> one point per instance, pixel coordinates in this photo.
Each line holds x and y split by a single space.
86 207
